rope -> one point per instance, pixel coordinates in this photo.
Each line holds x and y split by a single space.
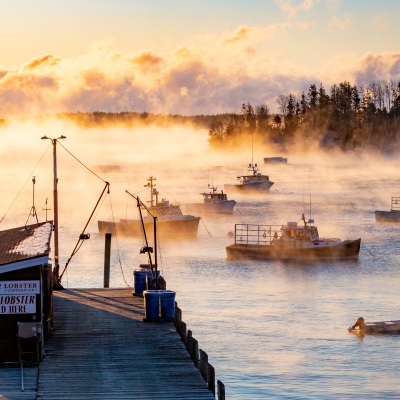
84 236
168 194
34 169
365 247
116 241
83 165
201 219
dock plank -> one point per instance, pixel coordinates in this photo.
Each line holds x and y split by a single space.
102 349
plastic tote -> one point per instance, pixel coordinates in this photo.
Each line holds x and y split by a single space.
159 300
142 280
139 280
150 279
167 304
151 304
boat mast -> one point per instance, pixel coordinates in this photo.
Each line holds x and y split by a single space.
151 186
252 166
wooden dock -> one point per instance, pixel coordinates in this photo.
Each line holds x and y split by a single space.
102 349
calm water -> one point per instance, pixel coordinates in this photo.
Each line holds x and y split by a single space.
271 329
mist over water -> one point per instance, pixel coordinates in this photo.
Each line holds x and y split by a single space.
271 329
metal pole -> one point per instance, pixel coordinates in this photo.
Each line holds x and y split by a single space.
107 257
56 271
55 200
155 250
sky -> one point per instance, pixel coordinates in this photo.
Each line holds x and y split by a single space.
187 57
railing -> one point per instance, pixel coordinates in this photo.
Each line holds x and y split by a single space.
257 234
198 356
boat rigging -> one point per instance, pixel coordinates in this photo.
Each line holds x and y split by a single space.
147 249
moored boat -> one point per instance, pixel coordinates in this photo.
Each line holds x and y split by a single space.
275 160
288 242
390 216
361 327
170 219
254 181
213 202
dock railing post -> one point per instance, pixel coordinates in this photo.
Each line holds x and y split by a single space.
107 258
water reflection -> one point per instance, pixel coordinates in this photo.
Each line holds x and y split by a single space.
271 329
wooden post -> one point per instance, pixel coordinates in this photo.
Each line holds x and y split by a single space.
221 390
211 378
107 257
204 365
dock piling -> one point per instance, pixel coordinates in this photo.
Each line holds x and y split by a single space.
107 258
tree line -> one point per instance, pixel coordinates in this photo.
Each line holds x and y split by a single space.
349 118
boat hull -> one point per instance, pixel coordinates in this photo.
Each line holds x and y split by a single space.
180 227
221 207
390 327
387 216
345 250
256 187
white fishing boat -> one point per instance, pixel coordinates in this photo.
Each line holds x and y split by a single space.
390 216
213 202
288 242
254 181
170 219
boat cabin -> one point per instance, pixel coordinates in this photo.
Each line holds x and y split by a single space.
253 178
25 287
293 231
214 196
163 209
291 235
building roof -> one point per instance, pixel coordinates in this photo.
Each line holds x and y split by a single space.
26 242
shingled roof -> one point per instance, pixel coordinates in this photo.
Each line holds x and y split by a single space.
25 243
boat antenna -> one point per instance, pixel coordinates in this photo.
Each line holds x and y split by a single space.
309 185
46 209
252 145
33 209
151 185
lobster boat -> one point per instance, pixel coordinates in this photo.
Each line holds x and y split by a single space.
291 241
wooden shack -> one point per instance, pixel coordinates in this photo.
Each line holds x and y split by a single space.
25 285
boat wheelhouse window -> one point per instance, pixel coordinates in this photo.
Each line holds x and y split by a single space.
290 234
176 210
314 233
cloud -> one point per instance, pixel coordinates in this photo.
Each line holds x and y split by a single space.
240 34
342 24
377 67
209 77
292 7
42 62
362 71
378 24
